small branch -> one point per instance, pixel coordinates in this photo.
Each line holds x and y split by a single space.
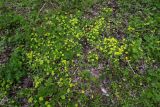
42 7
130 67
52 4
93 49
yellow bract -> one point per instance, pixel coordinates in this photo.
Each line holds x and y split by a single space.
73 21
40 98
30 100
131 28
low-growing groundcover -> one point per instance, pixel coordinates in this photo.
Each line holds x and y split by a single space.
80 53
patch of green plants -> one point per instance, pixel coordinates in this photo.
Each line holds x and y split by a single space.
60 57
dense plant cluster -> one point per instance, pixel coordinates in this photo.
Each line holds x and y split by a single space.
79 53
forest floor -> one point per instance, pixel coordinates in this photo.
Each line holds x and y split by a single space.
80 53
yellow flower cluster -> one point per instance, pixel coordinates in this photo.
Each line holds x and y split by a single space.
111 47
131 28
73 21
107 10
94 33
98 26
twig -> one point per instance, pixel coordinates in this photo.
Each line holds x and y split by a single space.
52 4
42 7
93 49
130 67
